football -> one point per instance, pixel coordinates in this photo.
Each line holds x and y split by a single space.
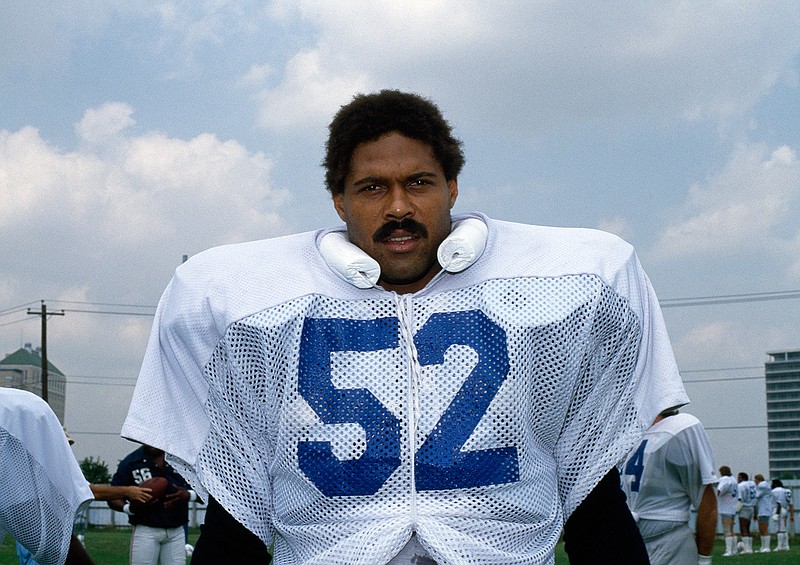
158 487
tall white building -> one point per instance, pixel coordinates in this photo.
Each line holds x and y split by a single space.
782 373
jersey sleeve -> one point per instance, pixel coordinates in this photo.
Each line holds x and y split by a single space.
42 487
629 376
170 407
690 457
167 410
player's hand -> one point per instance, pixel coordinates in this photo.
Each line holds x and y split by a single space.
181 495
139 494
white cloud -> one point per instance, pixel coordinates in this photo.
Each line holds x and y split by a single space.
150 194
746 206
308 95
256 76
529 66
41 35
100 125
201 22
793 271
692 347
617 225
534 66
357 42
201 186
109 222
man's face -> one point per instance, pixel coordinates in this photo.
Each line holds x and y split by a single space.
396 204
153 452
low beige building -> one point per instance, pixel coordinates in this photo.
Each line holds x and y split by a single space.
23 370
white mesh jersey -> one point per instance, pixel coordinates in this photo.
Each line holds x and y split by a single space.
727 494
781 497
666 474
763 499
41 485
476 413
747 493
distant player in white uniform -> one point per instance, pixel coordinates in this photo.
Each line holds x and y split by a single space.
727 496
42 487
746 505
763 511
412 385
782 513
671 471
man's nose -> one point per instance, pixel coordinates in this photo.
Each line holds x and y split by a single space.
399 204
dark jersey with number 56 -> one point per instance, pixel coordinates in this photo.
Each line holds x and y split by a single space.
137 468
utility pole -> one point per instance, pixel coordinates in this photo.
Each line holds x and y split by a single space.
43 314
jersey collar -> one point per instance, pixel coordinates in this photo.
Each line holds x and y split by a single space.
459 250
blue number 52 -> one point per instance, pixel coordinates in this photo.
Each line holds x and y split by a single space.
440 462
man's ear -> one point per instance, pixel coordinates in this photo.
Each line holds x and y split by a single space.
338 205
452 185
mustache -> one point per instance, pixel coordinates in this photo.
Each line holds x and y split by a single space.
407 224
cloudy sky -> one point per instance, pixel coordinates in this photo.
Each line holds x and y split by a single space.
134 133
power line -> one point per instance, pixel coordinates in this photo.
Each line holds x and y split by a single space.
758 427
708 300
89 383
25 319
124 378
19 308
43 315
722 369
109 312
725 379
728 298
118 305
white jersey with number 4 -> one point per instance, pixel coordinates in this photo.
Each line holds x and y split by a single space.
475 414
666 474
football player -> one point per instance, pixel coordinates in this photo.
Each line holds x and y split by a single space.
42 487
158 527
413 385
763 511
727 495
671 470
782 513
746 506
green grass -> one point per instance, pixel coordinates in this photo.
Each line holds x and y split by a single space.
791 557
109 546
106 546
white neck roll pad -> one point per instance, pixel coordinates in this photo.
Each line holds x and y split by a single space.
459 250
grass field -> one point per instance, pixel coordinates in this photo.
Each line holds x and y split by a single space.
110 547
106 546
